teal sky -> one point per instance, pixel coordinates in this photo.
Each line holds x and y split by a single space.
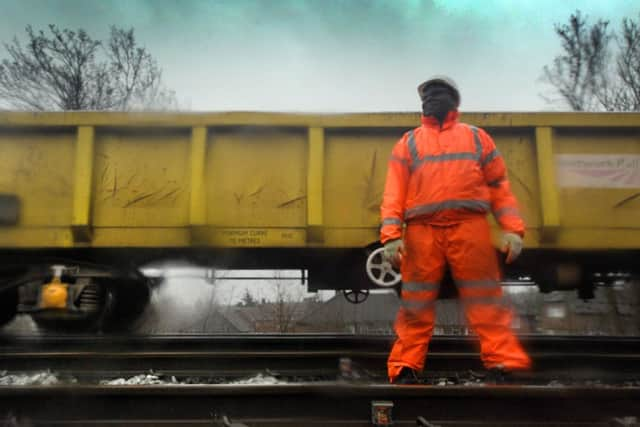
333 55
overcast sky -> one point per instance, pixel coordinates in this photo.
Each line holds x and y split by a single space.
332 55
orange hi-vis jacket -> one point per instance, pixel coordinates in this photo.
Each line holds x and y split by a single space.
444 174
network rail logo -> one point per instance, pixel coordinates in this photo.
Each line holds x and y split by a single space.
598 170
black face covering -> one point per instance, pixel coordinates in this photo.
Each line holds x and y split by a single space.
438 100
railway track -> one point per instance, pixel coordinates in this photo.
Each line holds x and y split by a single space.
199 379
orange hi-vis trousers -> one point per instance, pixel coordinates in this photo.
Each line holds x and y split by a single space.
466 247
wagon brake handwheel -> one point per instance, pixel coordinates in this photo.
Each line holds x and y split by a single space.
381 272
356 296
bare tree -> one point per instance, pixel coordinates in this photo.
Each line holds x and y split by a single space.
576 73
69 70
593 74
284 308
281 314
629 66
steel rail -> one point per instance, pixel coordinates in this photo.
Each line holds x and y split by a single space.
323 400
318 404
232 354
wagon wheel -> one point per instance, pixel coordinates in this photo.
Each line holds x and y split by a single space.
356 296
8 305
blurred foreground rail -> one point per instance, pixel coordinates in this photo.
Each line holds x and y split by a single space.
273 380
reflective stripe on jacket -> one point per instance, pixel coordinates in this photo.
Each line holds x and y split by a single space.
444 174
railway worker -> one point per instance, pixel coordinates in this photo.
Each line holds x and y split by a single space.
442 180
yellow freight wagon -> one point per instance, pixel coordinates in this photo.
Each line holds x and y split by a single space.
105 192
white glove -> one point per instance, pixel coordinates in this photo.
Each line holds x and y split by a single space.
512 245
392 251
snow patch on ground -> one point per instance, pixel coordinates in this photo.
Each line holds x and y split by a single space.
259 379
142 379
37 378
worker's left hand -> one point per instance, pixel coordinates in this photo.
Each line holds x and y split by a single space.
512 245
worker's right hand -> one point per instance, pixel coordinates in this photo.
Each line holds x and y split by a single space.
512 246
392 251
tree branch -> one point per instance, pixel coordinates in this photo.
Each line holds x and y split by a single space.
69 70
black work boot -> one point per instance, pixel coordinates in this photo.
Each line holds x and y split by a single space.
406 376
497 376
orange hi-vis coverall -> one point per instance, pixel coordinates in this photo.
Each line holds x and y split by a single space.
441 182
